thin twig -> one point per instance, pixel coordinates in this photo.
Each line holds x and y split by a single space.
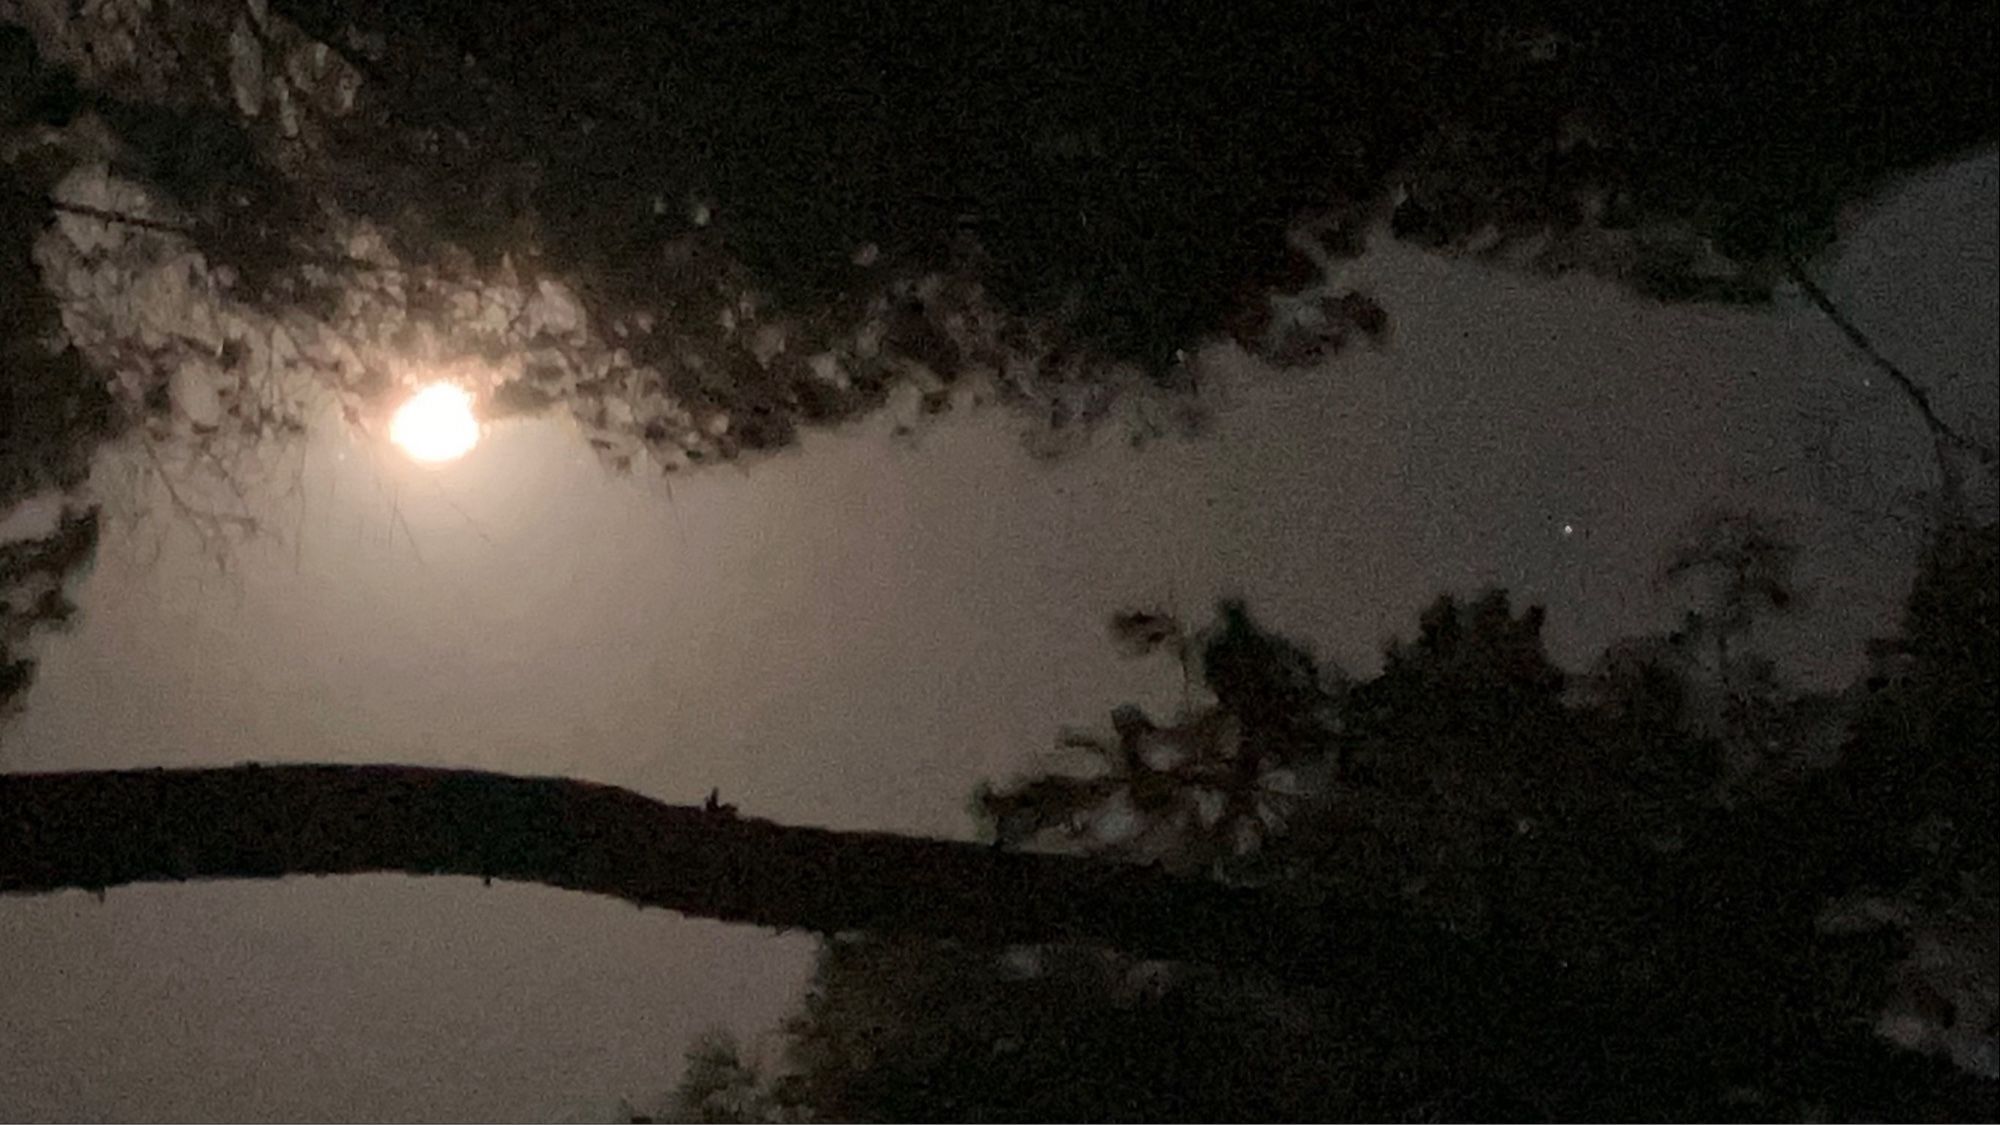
210 525
191 232
1941 431
247 524
122 218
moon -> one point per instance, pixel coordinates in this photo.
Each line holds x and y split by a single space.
436 424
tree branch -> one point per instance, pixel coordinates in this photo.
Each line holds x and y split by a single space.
193 232
1942 433
122 218
93 830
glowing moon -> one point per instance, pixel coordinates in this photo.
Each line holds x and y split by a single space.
436 424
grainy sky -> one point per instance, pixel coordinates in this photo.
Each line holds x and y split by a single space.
856 633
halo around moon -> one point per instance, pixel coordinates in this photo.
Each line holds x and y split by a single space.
436 424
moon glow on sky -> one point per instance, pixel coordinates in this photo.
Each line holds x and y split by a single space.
436 424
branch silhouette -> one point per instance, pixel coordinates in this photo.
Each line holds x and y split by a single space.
1944 437
97 829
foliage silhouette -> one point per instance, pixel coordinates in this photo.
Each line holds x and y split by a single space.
668 215
700 228
1707 969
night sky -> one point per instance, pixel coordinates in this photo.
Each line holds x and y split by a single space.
855 633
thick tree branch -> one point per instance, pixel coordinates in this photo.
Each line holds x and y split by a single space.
94 830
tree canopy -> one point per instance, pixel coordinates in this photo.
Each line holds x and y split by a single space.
1472 885
698 227
703 225
1696 940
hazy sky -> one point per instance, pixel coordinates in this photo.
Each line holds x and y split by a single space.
856 633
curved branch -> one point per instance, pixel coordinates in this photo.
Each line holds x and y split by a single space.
93 830
1942 434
